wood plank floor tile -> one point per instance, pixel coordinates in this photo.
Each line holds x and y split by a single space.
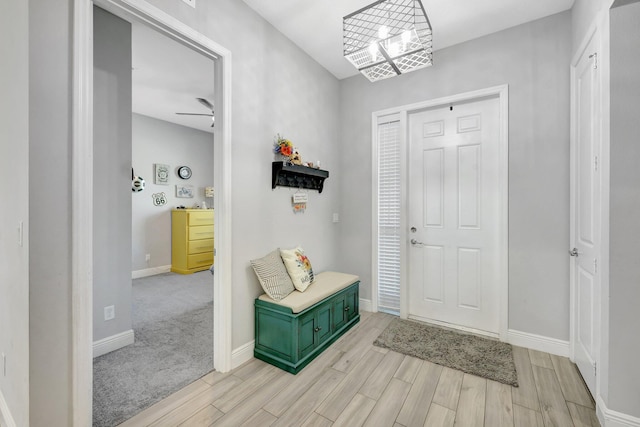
185 411
408 369
499 407
260 419
388 406
205 417
356 412
335 404
439 416
316 420
309 401
347 361
249 369
471 405
583 416
160 409
540 358
378 380
448 390
571 382
526 394
552 404
525 417
416 405
236 395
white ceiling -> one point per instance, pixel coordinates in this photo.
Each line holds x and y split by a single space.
168 76
316 26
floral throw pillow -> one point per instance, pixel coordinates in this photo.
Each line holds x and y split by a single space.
298 267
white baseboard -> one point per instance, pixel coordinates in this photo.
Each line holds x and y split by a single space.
114 342
611 418
150 271
538 342
365 305
242 354
6 420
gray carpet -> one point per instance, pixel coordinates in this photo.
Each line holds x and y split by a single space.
173 324
472 354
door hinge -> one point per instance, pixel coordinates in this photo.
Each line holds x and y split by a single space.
595 60
595 369
595 163
595 265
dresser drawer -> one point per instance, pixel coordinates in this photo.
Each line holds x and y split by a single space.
200 218
199 246
200 260
201 232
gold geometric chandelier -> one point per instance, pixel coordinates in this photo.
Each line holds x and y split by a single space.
388 38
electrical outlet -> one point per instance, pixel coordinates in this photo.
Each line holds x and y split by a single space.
109 312
336 217
147 257
191 3
4 365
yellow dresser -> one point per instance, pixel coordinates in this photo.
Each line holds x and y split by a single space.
191 240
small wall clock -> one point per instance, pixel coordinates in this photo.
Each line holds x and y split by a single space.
184 172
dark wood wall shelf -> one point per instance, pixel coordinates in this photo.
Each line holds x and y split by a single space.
297 176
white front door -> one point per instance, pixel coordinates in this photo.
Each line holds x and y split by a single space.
586 200
454 215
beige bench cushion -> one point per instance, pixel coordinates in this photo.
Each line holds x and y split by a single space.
324 285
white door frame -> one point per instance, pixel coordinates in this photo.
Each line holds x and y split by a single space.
82 187
502 92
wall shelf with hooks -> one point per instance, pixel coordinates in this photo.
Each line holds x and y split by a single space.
297 176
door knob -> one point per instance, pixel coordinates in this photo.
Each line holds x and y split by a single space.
415 242
574 252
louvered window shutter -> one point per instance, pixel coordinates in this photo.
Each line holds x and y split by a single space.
389 217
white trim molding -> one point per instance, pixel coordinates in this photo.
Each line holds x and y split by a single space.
242 354
365 305
6 420
138 274
114 342
611 418
538 342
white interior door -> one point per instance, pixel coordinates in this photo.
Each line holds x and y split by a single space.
586 201
454 215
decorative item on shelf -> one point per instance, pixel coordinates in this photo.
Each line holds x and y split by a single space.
159 199
184 172
208 194
388 38
137 182
286 175
282 148
161 174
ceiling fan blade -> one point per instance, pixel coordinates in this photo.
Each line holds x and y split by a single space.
205 103
194 114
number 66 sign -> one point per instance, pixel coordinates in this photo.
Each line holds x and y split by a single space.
159 199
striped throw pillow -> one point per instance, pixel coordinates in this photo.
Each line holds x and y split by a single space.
273 275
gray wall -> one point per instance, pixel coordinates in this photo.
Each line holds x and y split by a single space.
583 14
111 174
624 276
14 188
533 59
50 212
157 141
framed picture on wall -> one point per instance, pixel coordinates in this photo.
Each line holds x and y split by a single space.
161 174
184 191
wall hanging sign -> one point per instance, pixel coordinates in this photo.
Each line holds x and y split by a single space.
299 201
161 174
184 172
184 191
159 199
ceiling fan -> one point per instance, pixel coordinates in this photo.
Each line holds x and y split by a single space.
206 104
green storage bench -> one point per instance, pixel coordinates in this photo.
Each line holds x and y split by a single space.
291 332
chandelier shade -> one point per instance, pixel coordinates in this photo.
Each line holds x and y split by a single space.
388 38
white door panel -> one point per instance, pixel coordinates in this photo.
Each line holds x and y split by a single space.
586 215
454 206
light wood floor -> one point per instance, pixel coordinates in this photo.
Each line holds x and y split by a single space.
354 383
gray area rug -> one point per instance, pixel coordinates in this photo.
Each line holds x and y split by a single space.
468 353
173 324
